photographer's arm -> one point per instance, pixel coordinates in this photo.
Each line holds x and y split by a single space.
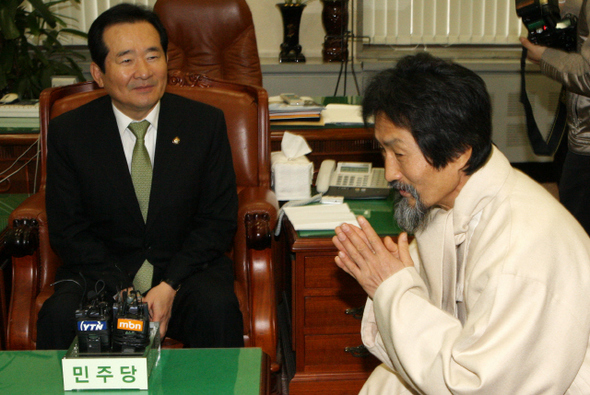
534 52
570 68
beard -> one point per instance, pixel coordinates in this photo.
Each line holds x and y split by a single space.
409 218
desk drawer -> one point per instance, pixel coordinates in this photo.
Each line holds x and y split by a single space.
321 272
343 313
337 353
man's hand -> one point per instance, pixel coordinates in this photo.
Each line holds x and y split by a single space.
535 52
369 260
159 300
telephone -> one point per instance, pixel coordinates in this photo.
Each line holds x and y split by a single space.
353 180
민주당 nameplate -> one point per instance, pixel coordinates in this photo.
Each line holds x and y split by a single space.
110 370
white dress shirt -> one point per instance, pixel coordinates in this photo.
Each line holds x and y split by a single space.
128 138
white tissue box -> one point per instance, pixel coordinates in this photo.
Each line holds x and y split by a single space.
291 178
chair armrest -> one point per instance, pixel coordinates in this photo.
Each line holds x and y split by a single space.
21 314
257 213
258 207
263 304
33 268
22 236
31 207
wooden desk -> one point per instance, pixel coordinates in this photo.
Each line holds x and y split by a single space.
326 307
356 144
179 371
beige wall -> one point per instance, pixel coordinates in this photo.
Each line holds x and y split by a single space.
267 21
269 28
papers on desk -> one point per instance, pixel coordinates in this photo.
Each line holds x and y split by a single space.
320 217
21 115
343 114
280 111
299 122
313 114
19 110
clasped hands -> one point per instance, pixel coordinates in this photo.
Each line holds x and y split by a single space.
366 257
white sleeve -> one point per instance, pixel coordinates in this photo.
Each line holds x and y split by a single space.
518 339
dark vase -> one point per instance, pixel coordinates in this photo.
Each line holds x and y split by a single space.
290 48
335 22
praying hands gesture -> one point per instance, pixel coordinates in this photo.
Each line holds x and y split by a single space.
367 258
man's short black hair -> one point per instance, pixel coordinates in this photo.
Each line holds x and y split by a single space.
445 106
121 13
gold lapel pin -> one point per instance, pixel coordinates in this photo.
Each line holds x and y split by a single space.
176 140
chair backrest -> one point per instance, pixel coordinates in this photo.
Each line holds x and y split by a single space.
245 109
246 114
211 37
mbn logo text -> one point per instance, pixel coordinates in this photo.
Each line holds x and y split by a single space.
130 325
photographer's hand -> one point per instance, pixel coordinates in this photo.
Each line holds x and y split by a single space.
535 52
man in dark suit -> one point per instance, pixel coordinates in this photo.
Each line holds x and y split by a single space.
104 229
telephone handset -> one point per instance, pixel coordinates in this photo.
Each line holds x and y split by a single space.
353 180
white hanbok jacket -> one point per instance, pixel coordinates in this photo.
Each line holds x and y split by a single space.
498 301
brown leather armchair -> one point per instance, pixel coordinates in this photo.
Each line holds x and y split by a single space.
211 37
246 111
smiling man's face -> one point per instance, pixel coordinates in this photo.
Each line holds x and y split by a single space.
136 70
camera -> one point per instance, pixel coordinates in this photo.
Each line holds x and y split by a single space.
131 332
93 325
545 25
104 326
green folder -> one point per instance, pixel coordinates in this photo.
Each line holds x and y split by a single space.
379 213
19 125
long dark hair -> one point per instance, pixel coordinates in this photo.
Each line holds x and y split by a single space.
445 106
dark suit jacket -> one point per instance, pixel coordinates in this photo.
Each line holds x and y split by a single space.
94 219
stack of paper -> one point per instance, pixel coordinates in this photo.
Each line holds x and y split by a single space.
280 111
344 114
21 110
320 217
23 115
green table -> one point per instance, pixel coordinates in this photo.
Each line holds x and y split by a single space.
240 371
